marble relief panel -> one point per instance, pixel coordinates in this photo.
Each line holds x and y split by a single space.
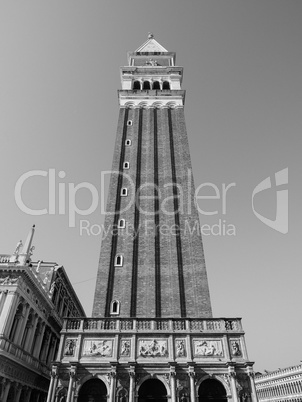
235 348
98 347
69 347
153 348
125 347
180 348
207 348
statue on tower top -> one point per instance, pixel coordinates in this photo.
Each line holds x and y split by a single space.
150 35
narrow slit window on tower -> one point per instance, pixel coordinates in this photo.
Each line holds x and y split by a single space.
156 85
118 262
146 85
121 224
128 142
115 307
129 123
124 192
126 165
166 85
136 85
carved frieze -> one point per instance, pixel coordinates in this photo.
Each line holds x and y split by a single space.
97 347
207 348
152 348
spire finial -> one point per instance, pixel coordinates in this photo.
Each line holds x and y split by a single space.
150 35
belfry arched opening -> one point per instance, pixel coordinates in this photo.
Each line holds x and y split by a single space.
152 390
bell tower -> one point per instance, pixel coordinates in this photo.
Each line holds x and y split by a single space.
152 336
152 262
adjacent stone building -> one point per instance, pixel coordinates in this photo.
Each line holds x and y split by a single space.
280 385
34 298
152 335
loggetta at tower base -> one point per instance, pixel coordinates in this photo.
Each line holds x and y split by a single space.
152 335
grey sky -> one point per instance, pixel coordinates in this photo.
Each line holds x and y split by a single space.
59 74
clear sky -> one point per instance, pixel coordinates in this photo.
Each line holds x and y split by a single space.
59 75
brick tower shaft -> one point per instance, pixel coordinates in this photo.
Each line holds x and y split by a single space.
152 261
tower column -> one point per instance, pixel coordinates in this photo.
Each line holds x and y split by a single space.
253 387
131 384
72 374
173 384
53 383
192 384
232 376
112 380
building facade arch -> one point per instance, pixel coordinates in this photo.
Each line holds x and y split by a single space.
153 377
217 377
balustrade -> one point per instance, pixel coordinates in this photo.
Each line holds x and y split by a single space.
141 325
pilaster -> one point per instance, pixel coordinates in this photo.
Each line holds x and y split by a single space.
22 324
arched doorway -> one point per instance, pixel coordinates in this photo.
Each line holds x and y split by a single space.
152 391
93 391
212 390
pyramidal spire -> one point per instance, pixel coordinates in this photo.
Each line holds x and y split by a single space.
151 46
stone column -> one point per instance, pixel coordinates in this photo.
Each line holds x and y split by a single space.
6 390
28 395
37 348
52 385
192 384
18 393
253 387
112 382
173 384
232 376
22 324
131 384
3 383
3 295
55 385
8 312
31 334
72 374
45 345
51 349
